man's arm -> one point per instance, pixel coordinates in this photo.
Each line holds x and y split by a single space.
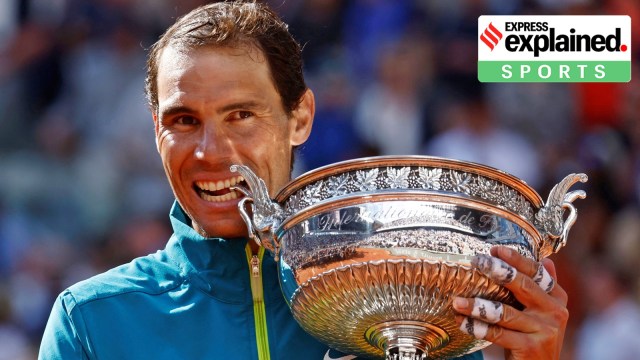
61 339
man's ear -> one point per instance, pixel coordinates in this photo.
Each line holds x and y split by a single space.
302 119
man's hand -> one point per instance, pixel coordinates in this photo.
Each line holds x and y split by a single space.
537 332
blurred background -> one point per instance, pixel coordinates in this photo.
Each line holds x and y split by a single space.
82 188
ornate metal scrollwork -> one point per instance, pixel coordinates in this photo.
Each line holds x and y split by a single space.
266 215
550 218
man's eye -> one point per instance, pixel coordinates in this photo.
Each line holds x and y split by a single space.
240 115
244 114
186 120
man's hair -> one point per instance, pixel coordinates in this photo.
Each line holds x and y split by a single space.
231 24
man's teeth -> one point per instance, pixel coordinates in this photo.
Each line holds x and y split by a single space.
219 185
210 186
225 197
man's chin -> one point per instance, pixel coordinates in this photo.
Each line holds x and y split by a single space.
222 229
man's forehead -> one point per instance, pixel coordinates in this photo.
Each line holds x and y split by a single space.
176 62
185 74
173 56
181 54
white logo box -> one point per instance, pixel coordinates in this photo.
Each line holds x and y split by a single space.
583 24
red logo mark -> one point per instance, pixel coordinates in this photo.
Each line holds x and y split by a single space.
491 36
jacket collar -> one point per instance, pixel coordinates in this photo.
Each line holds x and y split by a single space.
215 265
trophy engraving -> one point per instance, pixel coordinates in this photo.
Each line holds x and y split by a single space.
372 251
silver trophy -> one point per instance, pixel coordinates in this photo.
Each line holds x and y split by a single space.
372 251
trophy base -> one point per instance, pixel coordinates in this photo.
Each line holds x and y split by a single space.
406 340
394 309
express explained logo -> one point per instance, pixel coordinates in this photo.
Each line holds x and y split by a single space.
549 40
491 36
554 48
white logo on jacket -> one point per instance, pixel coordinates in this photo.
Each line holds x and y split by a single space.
328 357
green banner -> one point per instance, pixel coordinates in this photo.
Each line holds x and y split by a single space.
554 71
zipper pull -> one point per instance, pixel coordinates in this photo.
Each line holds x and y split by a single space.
255 266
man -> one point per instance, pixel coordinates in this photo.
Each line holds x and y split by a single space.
225 87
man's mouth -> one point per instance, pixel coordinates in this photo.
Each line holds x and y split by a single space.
217 191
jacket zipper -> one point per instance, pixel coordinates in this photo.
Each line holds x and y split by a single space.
259 313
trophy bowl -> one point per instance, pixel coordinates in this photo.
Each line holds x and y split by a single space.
372 251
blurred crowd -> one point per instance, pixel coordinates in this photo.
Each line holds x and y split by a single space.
82 188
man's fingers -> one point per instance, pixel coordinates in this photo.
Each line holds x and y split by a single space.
487 311
551 267
557 291
530 268
474 327
493 333
493 312
521 263
498 270
544 279
504 268
533 332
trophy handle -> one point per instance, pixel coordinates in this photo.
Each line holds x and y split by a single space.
261 214
550 218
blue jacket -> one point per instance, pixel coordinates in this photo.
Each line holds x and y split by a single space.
192 300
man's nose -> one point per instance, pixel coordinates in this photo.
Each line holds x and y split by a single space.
213 143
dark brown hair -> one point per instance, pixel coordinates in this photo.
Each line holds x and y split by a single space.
230 24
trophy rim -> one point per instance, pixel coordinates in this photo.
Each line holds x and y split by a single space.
410 160
404 195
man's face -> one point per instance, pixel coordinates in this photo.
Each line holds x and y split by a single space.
218 107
